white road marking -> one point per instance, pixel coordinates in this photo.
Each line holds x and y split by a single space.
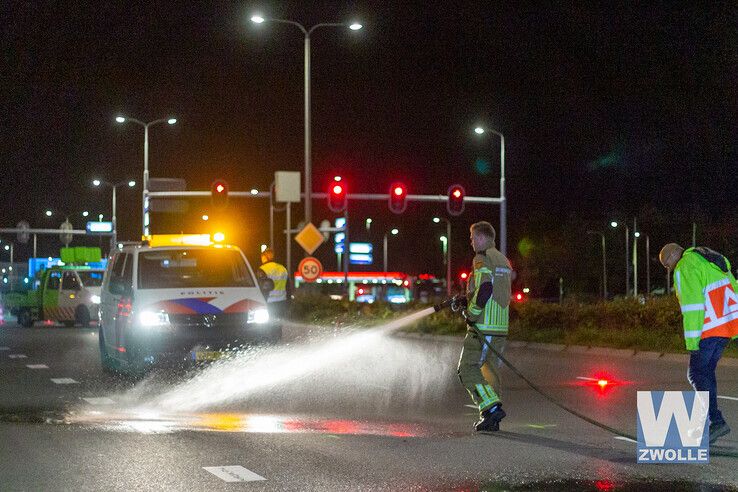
17 356
64 381
4 348
37 366
99 400
728 397
472 406
622 438
233 473
583 378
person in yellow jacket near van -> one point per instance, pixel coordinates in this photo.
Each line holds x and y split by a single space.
706 290
277 297
488 301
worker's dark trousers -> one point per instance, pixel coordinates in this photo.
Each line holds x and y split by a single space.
277 310
701 374
478 369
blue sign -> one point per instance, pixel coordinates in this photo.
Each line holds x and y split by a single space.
672 427
360 259
363 248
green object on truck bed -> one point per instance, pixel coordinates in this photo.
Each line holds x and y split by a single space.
80 255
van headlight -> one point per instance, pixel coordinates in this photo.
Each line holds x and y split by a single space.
95 299
258 316
152 319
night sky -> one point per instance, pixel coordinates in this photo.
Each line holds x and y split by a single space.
607 109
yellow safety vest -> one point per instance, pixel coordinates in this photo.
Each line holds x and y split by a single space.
278 274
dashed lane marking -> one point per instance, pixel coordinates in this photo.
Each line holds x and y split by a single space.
471 406
18 356
584 378
728 397
64 381
233 473
622 438
99 400
37 366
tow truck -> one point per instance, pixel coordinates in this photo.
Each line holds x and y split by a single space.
67 293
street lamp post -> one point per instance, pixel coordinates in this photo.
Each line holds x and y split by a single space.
438 220
394 232
131 184
257 19
604 263
145 191
614 224
503 201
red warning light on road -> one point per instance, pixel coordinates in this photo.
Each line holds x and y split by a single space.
464 275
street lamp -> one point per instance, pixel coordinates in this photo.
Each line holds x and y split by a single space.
503 201
130 184
614 225
438 220
394 232
604 263
307 31
145 191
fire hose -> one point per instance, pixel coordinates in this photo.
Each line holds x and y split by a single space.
457 303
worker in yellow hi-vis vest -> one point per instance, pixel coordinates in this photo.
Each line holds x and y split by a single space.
488 302
277 297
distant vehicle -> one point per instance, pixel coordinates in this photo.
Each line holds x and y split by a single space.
368 287
179 298
69 294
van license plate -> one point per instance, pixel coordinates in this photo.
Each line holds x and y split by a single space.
203 355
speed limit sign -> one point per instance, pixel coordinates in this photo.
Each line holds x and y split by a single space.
310 269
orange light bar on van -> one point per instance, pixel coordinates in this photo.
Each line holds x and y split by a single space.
158 240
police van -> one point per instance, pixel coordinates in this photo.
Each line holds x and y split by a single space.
179 297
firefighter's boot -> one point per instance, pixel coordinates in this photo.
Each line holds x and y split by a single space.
491 418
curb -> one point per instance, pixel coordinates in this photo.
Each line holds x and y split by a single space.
577 349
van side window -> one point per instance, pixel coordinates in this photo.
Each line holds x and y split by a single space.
54 280
128 270
118 264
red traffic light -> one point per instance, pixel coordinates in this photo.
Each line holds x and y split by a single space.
464 276
219 193
397 198
337 196
455 202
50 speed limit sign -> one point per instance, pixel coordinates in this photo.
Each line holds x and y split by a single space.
310 269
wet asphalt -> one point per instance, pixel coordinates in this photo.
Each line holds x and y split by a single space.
390 415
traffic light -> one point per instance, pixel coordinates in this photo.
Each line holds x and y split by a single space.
397 198
219 194
337 195
455 203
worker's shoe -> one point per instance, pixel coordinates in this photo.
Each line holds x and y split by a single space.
718 430
490 421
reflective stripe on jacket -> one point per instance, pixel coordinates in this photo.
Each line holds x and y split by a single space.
279 276
707 297
491 315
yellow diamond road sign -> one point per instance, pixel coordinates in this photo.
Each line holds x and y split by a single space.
309 238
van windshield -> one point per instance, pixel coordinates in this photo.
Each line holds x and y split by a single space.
91 278
174 269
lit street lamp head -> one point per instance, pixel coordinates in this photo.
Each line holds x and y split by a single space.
257 19
120 119
613 224
96 182
479 130
436 220
172 121
394 232
48 213
355 26
85 213
131 183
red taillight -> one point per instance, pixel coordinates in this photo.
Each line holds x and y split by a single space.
124 307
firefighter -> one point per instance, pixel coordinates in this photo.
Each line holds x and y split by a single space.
488 301
706 290
277 297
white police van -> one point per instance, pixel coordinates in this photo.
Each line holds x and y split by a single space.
179 297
